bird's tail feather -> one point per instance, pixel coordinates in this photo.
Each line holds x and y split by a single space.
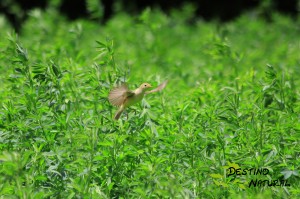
118 114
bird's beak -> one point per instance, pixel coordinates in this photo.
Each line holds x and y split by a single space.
150 86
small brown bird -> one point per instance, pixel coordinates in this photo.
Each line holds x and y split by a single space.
123 97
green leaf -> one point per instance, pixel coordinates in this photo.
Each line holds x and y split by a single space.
216 175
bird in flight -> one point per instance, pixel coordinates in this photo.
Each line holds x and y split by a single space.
123 97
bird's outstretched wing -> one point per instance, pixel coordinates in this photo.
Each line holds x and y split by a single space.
119 94
159 88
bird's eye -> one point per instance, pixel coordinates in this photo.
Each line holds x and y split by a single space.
145 85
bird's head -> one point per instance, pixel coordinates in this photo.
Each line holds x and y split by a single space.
145 86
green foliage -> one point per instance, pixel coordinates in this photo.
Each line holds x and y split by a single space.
95 8
232 101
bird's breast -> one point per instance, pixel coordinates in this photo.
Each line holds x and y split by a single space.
134 99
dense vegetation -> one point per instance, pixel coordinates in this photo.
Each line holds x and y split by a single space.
232 101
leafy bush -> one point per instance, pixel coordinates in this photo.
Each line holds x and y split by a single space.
232 100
